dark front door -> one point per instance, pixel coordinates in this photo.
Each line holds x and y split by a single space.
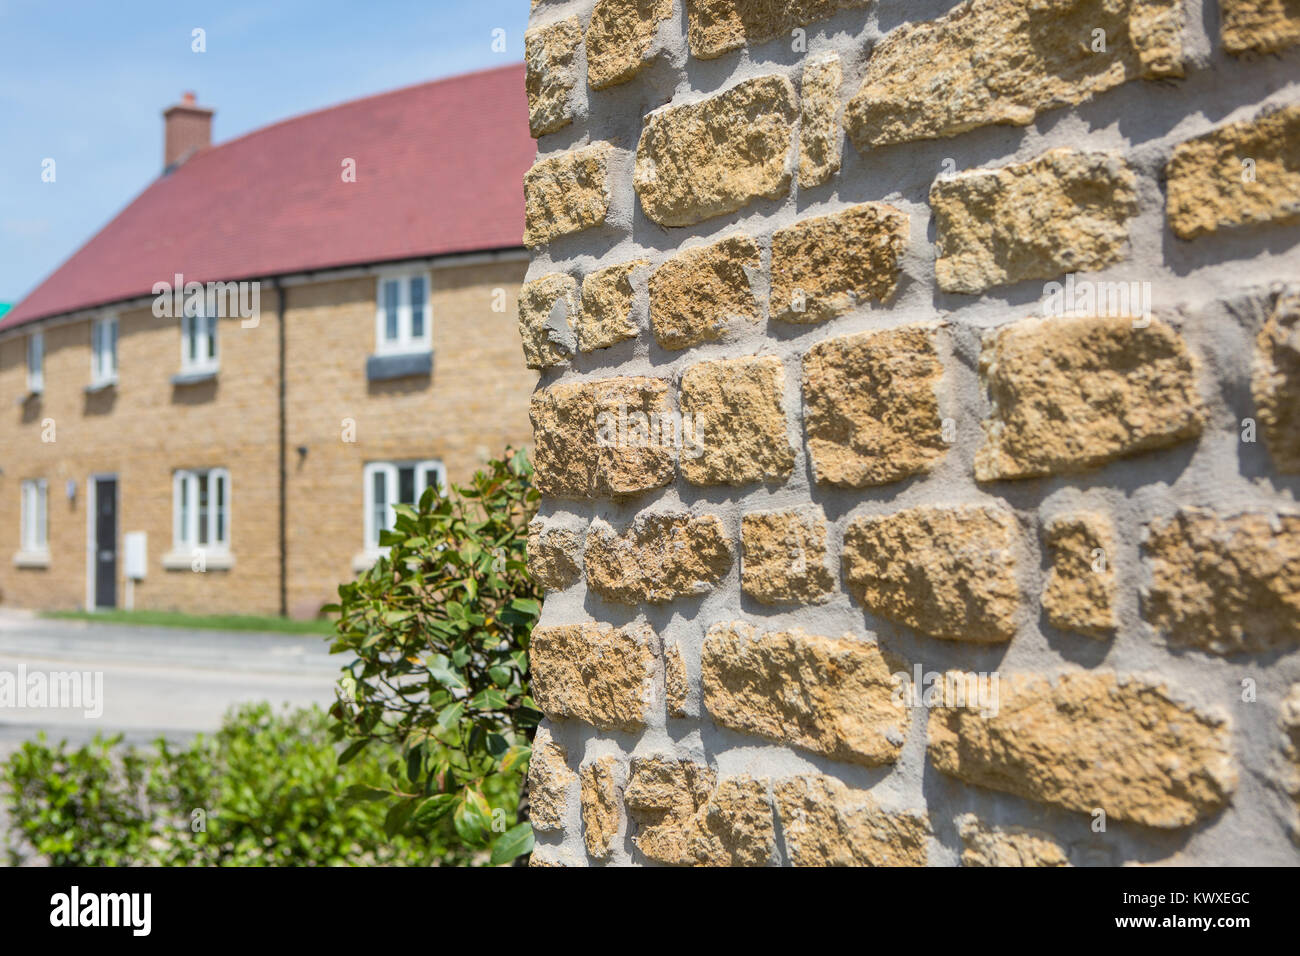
106 542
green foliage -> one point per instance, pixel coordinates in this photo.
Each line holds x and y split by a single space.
267 789
439 628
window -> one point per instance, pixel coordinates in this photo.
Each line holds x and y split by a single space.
199 336
392 483
402 319
34 516
201 510
36 362
103 351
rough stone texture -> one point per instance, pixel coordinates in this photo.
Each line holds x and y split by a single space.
1066 211
1259 26
827 824
1072 394
1006 61
588 442
739 424
819 130
1081 587
677 685
567 193
720 26
735 827
871 407
601 805
688 818
1007 846
948 572
1289 722
551 73
1208 185
1092 741
607 297
784 558
549 780
1225 584
715 156
663 796
1275 382
596 673
659 558
825 266
697 292
833 696
547 306
551 555
620 38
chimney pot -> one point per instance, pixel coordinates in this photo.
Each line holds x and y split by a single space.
187 128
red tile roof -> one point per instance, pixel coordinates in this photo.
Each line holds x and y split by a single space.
439 169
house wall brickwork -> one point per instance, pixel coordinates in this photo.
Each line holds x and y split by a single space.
144 428
892 267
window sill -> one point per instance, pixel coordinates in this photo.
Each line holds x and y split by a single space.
184 560
385 366
32 559
195 377
365 560
106 384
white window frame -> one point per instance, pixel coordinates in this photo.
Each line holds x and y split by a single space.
103 360
35 537
204 325
389 469
185 519
405 341
36 362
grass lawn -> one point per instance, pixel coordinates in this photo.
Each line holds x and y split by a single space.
218 622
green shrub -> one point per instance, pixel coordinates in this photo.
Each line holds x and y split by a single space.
439 629
266 790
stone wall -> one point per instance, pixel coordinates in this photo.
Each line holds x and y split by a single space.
952 340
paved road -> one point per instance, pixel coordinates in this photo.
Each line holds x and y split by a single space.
157 680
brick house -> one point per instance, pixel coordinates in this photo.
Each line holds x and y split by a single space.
350 340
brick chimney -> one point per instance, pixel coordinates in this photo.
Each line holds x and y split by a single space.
187 128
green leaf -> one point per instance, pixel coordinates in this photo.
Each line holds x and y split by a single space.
514 842
353 750
434 809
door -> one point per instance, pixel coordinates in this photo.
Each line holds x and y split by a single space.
106 542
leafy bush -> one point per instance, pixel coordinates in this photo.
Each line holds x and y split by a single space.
267 790
439 629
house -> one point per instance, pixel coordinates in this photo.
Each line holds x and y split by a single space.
213 405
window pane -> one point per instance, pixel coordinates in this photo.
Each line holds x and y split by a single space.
40 514
192 337
112 346
431 478
379 504
220 494
417 307
406 485
391 291
203 509
212 336
183 532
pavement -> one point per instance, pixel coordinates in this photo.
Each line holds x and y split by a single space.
157 681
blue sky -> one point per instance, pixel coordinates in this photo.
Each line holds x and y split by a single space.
85 83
